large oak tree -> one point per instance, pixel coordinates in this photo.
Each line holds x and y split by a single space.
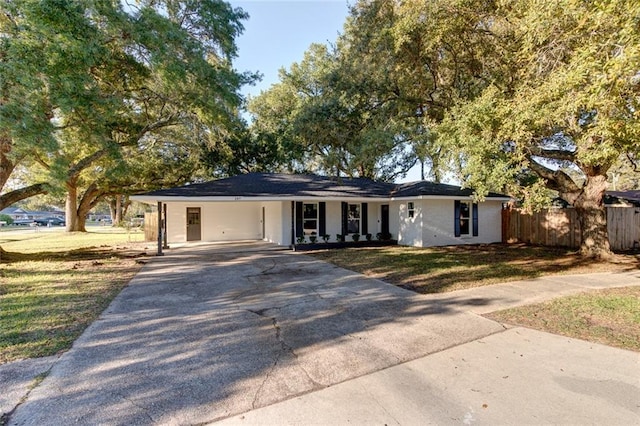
563 103
85 81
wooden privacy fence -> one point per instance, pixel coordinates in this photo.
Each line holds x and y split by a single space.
560 227
151 226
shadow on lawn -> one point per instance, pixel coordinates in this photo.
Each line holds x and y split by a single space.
441 269
87 253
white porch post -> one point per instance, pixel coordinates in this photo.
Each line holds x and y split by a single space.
160 218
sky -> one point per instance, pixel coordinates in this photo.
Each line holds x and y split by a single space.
278 33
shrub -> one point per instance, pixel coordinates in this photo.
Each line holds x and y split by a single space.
313 239
339 237
6 218
368 237
355 237
326 237
300 239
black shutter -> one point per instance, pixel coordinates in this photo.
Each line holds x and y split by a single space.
475 219
299 210
345 218
322 212
456 218
363 219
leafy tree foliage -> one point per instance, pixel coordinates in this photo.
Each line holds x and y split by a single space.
563 103
88 84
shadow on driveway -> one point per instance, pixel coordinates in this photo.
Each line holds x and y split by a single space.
207 332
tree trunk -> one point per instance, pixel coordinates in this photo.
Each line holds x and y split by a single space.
71 206
126 203
76 219
592 216
116 209
81 219
118 219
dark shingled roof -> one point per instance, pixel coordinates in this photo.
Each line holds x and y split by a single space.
284 185
415 189
298 185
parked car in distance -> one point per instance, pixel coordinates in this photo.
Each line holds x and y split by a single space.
52 221
23 222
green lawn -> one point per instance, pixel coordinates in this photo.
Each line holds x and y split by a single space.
53 285
30 240
610 317
442 269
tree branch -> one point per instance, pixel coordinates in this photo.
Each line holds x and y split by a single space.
23 193
75 170
556 154
556 179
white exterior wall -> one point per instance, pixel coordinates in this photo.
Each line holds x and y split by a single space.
438 227
275 222
433 223
394 220
220 221
410 228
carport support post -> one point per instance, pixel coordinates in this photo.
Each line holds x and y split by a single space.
164 226
160 229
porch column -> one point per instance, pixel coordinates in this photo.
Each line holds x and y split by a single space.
160 218
164 226
293 224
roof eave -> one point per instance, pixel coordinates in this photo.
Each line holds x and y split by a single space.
152 199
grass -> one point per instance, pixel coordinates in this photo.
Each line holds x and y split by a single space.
53 285
442 269
29 240
610 317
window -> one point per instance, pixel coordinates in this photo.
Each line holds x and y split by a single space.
410 209
353 219
465 217
310 218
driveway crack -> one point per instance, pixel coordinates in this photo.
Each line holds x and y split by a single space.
284 349
144 409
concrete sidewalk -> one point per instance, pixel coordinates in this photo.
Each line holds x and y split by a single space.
520 376
210 332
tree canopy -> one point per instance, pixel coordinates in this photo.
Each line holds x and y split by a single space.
517 96
86 83
562 103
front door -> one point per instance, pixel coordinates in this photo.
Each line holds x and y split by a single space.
384 219
193 224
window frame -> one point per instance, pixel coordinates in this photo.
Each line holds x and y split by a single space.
411 209
358 219
310 231
468 218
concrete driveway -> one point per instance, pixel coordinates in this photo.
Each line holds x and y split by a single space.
215 332
208 331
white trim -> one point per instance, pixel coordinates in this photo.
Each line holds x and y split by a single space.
448 197
163 198
153 199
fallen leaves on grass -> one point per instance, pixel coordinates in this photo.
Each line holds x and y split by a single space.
442 269
46 301
610 317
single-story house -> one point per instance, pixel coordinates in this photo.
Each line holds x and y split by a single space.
281 208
